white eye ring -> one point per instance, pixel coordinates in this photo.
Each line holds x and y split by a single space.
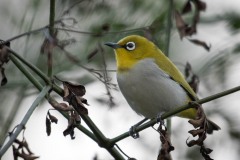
130 46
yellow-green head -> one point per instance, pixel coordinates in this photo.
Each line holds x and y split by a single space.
131 50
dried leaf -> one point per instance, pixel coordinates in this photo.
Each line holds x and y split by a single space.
4 58
81 109
191 143
195 20
188 70
4 54
52 118
61 106
201 5
25 144
196 123
49 43
2 42
95 157
27 156
70 129
181 25
106 27
84 101
73 95
200 43
20 143
201 122
166 148
194 83
3 76
66 93
63 43
191 78
76 89
76 117
198 142
15 152
205 151
187 7
48 126
183 29
71 90
20 150
211 126
196 132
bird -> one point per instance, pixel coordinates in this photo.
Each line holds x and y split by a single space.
150 82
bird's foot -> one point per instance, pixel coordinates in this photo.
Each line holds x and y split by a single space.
165 139
160 120
133 132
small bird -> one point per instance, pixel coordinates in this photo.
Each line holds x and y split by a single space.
149 80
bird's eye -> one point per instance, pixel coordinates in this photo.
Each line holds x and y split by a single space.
130 46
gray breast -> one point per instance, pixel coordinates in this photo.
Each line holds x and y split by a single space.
149 90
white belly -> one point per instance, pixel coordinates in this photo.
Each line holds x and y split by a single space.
150 91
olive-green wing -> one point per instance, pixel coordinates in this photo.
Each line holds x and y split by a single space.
166 65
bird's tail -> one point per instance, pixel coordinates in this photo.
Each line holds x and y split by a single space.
211 126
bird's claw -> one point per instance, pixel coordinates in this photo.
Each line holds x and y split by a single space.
160 120
133 133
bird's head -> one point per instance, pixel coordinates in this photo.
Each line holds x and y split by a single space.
131 49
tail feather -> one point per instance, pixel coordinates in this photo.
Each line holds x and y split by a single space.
211 126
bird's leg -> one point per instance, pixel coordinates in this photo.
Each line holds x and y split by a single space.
132 131
167 146
160 120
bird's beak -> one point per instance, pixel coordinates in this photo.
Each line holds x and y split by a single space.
113 45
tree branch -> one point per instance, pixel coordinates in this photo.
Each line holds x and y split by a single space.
174 112
51 40
36 70
98 135
25 119
13 112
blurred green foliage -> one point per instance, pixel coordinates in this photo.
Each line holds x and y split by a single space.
100 21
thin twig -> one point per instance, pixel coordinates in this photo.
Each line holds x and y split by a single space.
94 72
25 34
25 119
52 17
36 70
70 30
169 27
105 76
103 34
13 112
168 37
175 111
51 32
